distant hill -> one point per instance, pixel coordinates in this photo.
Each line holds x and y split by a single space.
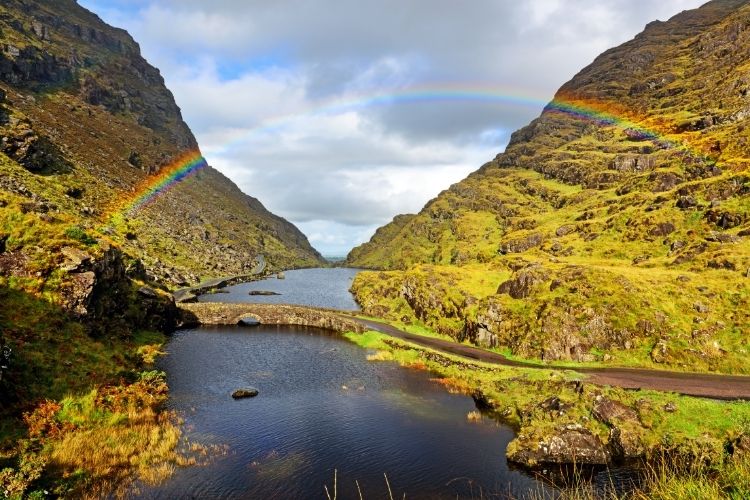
615 227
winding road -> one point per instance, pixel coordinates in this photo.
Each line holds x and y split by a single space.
708 385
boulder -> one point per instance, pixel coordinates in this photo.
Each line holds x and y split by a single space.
247 392
568 444
662 229
77 291
718 237
625 427
565 230
611 412
520 245
633 163
522 284
724 220
660 352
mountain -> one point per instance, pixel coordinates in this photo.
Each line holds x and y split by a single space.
105 204
90 132
615 227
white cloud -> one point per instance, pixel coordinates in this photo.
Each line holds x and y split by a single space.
279 94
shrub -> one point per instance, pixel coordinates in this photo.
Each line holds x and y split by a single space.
77 233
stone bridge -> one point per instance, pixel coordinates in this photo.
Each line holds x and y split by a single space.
216 313
691 384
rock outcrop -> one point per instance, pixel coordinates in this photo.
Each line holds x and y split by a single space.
98 291
570 444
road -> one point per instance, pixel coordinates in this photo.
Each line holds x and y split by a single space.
692 384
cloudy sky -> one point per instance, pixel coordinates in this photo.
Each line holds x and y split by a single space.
340 114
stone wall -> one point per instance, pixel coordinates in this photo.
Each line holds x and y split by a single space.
215 313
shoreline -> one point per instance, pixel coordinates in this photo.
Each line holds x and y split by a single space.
695 384
191 294
562 416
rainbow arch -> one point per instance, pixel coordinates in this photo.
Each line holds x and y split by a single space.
599 112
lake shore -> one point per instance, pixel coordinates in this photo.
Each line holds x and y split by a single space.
561 416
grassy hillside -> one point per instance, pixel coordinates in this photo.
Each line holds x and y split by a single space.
613 229
86 122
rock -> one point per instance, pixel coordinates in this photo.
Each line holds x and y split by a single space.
639 163
677 245
280 276
554 405
640 259
686 202
74 192
721 264
522 244
724 220
34 152
660 352
248 392
248 321
77 292
74 258
566 445
521 285
565 230
717 237
700 307
612 412
741 447
135 159
662 229
147 291
40 29
262 292
670 407
664 181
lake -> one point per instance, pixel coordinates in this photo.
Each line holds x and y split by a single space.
319 287
323 407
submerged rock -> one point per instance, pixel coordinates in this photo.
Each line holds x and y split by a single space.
247 392
262 292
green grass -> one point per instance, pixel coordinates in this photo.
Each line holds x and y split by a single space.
697 432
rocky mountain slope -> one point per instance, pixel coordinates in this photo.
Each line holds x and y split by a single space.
86 123
614 228
87 131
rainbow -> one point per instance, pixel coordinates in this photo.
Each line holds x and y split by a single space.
598 112
152 187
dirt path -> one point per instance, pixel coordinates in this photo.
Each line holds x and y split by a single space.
691 384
